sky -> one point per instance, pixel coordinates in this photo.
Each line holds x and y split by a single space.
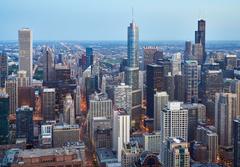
108 19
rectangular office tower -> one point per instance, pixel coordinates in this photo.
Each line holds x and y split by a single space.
4 111
25 51
89 56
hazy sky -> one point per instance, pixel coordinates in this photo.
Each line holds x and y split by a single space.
108 19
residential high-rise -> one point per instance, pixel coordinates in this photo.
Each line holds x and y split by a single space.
24 123
230 61
48 64
160 100
25 52
191 81
177 153
48 103
12 91
121 131
173 123
4 113
200 36
68 110
3 69
123 97
132 73
154 83
236 142
169 85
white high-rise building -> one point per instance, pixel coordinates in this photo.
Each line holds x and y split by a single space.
121 131
25 51
123 97
160 100
174 123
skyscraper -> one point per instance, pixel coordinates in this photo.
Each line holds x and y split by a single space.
188 50
12 91
48 64
89 56
68 110
200 36
191 81
176 63
198 53
25 52
154 83
160 100
132 72
24 123
4 112
22 79
3 69
121 131
48 103
236 142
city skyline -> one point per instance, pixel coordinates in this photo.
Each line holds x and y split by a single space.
157 20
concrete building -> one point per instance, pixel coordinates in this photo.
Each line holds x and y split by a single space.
176 63
152 142
130 154
22 79
123 97
121 131
188 50
48 64
177 153
198 53
46 136
191 81
209 138
25 52
160 100
48 103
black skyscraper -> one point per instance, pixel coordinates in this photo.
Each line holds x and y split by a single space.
200 36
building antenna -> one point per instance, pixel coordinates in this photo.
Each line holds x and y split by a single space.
132 14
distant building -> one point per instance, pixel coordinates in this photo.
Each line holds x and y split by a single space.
25 52
46 136
188 50
24 123
230 61
179 83
3 69
200 37
169 86
22 79
89 56
151 55
48 64
176 63
4 113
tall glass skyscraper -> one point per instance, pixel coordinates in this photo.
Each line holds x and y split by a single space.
132 72
4 112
